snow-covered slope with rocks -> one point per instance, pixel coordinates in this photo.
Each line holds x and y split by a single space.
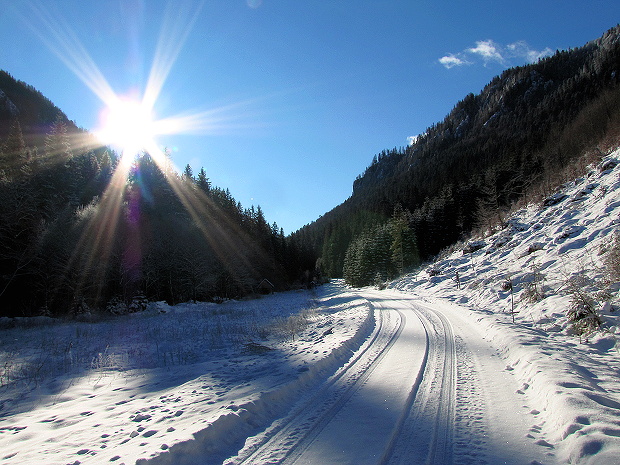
523 283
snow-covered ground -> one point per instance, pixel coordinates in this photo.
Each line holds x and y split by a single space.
547 260
201 377
249 381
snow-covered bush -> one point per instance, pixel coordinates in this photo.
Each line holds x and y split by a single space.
583 309
138 304
287 328
534 288
117 306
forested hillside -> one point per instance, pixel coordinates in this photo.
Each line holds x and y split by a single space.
517 137
82 229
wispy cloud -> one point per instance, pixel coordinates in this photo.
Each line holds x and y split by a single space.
450 61
490 51
520 49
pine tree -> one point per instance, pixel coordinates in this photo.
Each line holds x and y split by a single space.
202 181
399 225
57 144
188 173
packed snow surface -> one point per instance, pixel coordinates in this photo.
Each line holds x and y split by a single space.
472 359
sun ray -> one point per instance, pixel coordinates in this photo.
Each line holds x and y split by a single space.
179 20
195 203
206 122
63 42
94 248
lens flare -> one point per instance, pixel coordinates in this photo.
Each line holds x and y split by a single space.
129 124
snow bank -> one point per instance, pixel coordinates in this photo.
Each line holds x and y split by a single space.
227 433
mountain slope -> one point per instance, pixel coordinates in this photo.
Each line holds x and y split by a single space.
522 129
35 112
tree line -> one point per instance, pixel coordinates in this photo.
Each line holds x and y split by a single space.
381 252
83 230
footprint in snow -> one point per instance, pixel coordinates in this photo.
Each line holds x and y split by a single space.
542 442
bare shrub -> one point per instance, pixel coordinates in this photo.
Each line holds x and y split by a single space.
534 288
583 309
612 260
289 327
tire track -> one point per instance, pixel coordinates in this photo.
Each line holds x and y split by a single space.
285 440
426 435
395 380
423 432
441 449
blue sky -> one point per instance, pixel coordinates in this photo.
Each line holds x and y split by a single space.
303 93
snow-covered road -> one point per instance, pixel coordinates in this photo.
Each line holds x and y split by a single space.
424 389
352 418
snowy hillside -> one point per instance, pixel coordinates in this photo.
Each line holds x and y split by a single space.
551 261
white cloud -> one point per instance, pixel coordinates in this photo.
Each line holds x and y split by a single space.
450 61
490 51
413 139
522 50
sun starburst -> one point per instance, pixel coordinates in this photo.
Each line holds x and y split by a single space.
130 124
127 124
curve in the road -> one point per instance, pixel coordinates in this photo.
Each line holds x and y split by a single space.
396 398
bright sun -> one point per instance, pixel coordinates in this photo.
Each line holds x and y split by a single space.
128 125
